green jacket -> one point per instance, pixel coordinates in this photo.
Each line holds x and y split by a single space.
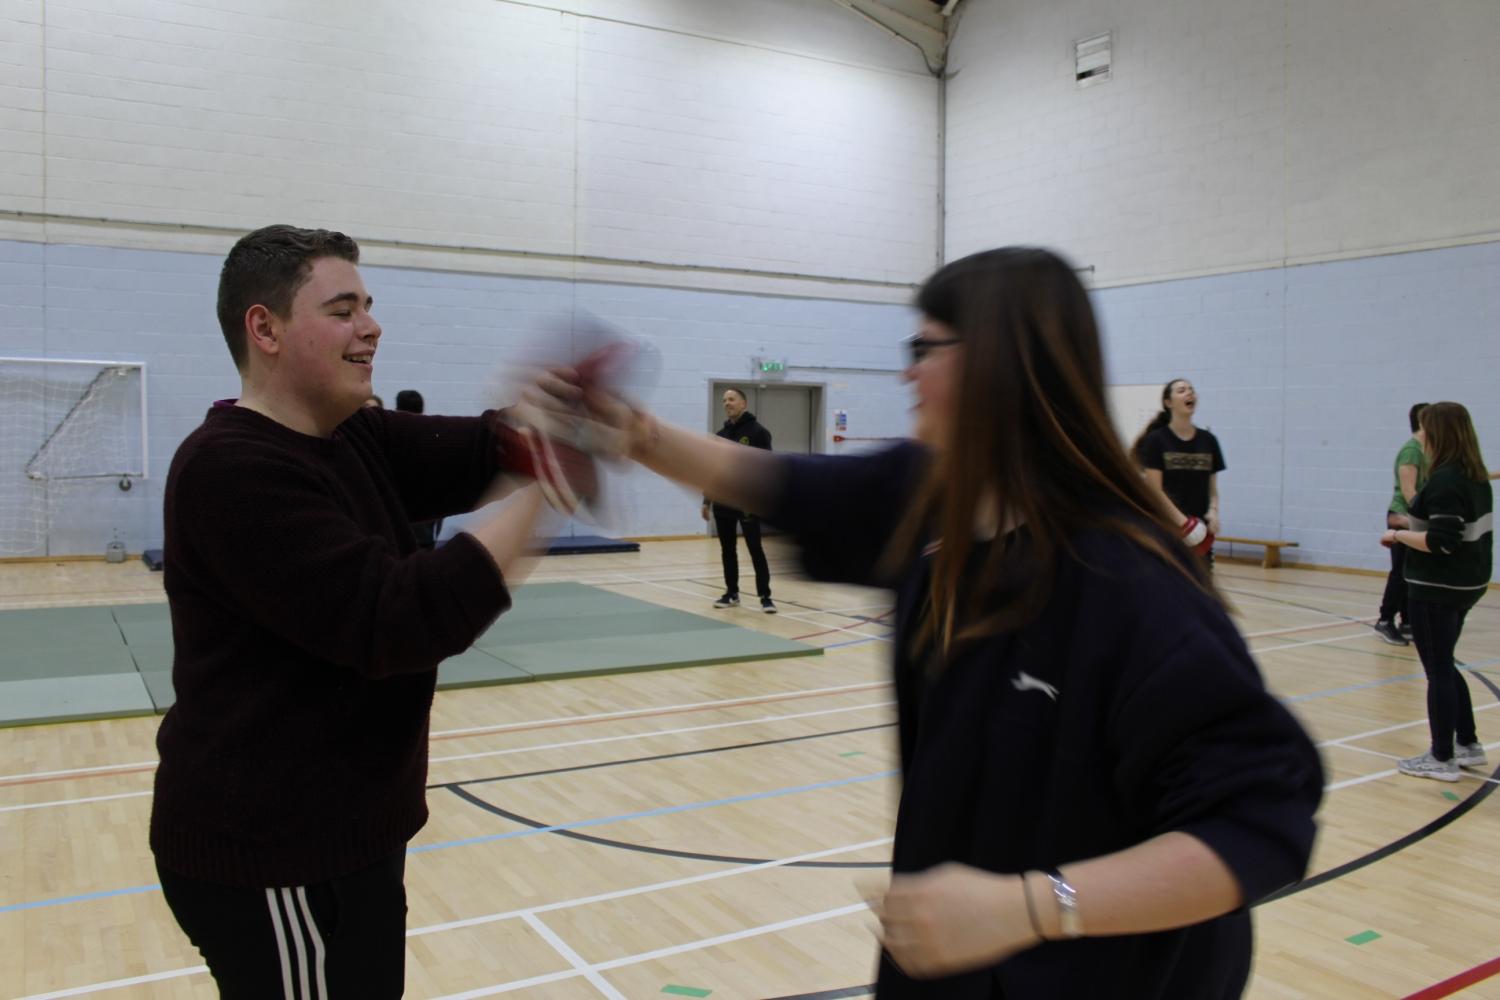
1458 515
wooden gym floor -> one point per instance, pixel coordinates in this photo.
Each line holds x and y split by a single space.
710 831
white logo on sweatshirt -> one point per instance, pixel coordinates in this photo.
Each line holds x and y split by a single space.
1025 682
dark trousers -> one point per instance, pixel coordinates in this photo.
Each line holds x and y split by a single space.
338 940
1450 713
1393 601
725 520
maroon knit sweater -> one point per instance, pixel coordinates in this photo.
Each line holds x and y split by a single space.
308 628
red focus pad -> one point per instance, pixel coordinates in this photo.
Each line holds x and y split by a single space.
567 476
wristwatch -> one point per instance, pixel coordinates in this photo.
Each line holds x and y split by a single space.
1068 920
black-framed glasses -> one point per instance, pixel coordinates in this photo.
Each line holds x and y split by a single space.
919 347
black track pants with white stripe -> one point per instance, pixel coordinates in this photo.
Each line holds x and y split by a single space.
338 940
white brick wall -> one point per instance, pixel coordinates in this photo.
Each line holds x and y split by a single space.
1393 125
1235 134
21 104
698 138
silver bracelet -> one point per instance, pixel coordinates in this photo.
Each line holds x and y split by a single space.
1068 920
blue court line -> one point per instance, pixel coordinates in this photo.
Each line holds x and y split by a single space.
1403 679
856 642
133 890
514 834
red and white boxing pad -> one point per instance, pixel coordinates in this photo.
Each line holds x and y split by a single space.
1196 536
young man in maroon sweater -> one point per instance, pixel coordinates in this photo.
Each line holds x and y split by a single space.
308 627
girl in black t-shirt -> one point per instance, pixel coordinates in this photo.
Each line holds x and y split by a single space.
1182 462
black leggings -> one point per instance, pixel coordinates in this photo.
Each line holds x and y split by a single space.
725 520
338 940
1450 713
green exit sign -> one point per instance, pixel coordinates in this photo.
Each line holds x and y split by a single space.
773 366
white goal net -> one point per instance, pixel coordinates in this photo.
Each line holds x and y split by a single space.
73 441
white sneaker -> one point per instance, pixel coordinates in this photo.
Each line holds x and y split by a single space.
1470 755
1428 766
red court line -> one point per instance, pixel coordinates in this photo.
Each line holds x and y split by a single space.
1448 987
80 774
645 713
651 713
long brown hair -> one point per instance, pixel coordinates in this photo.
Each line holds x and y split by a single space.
1033 431
1163 418
1450 439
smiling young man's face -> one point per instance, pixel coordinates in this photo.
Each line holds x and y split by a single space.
327 344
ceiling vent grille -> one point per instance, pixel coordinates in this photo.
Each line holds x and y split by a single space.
1093 58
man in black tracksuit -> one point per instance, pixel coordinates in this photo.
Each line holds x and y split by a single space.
740 426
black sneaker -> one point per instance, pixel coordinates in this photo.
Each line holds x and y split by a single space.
767 605
728 601
1390 633
1405 629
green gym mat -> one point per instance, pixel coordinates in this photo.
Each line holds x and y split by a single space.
65 664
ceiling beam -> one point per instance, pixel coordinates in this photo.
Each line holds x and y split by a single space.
914 21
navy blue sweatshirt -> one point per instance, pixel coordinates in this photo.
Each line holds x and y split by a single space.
307 631
1128 708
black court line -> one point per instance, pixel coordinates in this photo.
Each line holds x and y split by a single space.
659 756
456 787
1485 790
663 851
1340 590
1294 604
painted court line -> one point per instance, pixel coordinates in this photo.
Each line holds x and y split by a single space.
1311 642
508 751
572 957
651 956
509 915
116 984
583 824
1304 628
793 695
698 595
519 834
515 750
692 706
639 890
1463 980
558 721
74 802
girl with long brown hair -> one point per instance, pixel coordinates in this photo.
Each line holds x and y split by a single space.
1182 463
1451 541
1096 783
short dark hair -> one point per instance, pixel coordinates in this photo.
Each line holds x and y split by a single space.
409 401
738 392
1415 416
266 268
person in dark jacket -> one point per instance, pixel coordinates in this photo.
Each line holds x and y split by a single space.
1096 783
741 427
1450 542
308 628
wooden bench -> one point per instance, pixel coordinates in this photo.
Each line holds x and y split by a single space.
1273 548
